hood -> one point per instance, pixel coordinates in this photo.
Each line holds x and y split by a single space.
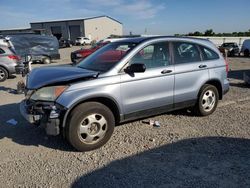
44 76
84 50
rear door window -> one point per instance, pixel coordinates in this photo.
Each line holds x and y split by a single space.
185 52
208 54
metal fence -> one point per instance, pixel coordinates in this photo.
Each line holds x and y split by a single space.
220 40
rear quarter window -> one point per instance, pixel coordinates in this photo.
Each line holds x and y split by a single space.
2 51
208 54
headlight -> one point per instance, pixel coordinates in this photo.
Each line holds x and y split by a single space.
29 93
48 93
79 55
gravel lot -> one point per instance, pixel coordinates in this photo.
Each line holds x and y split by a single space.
186 151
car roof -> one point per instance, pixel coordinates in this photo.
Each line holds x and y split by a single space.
4 47
190 39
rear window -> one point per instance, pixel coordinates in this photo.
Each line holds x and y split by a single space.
208 54
2 51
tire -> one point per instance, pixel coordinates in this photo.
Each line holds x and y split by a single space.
207 100
246 53
46 60
232 53
3 74
90 126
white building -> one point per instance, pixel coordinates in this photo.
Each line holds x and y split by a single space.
95 28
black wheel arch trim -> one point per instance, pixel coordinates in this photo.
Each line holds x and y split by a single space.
211 82
97 99
5 68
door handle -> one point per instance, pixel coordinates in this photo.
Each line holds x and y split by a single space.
166 71
202 66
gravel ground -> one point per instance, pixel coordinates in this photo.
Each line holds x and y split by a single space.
186 151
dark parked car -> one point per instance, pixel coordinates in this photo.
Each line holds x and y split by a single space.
232 48
246 47
78 55
65 43
41 48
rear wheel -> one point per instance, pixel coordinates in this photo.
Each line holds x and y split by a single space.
90 126
3 74
207 101
246 53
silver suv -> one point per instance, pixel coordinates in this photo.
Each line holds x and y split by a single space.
123 81
8 61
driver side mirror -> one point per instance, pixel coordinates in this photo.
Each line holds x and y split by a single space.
137 67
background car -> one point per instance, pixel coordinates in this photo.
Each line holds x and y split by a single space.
42 48
64 43
82 41
232 48
8 61
78 55
246 48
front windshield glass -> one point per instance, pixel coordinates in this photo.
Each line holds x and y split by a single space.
96 45
107 57
228 44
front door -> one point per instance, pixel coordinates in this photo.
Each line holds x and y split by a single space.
152 90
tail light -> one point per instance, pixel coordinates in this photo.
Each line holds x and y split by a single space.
14 57
227 66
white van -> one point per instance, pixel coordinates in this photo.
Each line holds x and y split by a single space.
246 47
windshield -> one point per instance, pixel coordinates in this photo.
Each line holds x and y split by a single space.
95 45
107 57
228 44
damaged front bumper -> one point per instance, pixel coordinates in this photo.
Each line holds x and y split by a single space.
31 118
47 114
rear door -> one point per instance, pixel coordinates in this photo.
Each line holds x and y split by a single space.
190 72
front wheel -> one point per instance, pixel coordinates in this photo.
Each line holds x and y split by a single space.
46 60
90 126
232 53
207 101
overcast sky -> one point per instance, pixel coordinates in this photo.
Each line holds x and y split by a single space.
153 16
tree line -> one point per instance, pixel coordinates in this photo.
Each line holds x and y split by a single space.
210 32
